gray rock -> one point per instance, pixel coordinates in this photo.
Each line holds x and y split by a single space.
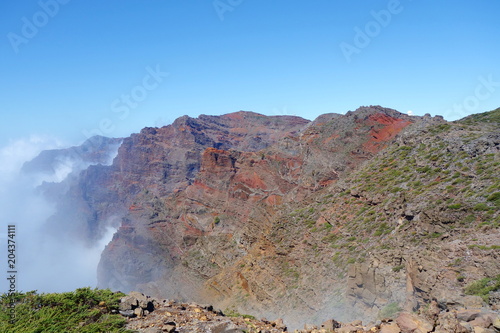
128 303
468 315
128 313
143 301
473 302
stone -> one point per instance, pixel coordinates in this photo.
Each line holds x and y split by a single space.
478 329
473 302
142 301
169 327
496 323
409 323
346 329
356 323
330 325
484 320
139 312
128 303
127 313
279 324
468 315
448 323
391 328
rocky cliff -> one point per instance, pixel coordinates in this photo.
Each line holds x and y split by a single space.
347 216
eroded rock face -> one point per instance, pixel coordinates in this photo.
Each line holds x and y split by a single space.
190 230
282 217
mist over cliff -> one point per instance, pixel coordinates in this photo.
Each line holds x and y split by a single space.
35 173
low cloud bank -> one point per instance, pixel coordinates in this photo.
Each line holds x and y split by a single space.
45 261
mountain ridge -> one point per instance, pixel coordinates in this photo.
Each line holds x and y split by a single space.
283 216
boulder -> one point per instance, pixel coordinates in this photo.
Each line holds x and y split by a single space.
144 302
139 312
409 323
468 314
330 325
279 324
169 327
473 302
128 303
448 323
478 329
496 323
390 328
484 320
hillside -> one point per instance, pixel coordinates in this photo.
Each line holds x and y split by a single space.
349 216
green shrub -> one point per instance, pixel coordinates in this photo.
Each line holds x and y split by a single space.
494 197
233 313
468 219
398 268
83 310
481 206
483 287
455 206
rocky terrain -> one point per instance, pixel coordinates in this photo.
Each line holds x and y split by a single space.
150 315
352 216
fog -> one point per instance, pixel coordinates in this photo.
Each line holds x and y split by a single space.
45 262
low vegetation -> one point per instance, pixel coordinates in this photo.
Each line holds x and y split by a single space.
484 287
84 310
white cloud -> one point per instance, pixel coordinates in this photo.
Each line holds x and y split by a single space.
46 262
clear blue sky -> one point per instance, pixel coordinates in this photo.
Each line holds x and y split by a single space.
71 74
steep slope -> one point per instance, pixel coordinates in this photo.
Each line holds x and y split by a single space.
192 242
418 222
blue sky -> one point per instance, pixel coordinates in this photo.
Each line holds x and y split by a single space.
67 66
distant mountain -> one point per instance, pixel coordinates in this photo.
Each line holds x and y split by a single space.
347 216
95 150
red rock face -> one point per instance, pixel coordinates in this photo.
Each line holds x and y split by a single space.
196 197
205 180
384 128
